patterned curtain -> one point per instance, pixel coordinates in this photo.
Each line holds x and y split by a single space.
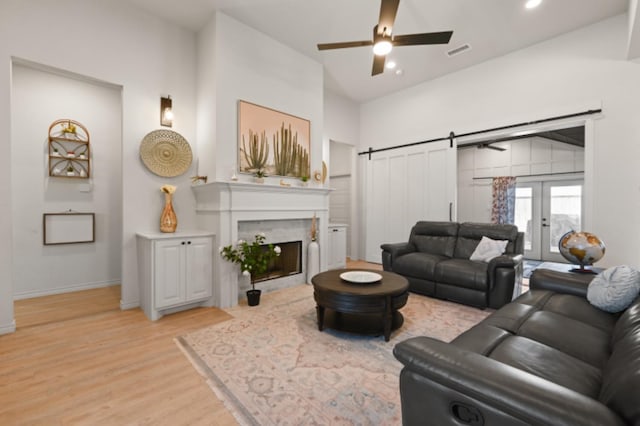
504 199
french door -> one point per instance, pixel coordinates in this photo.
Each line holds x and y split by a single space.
545 211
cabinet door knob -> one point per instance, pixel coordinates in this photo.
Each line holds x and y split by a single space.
182 243
188 242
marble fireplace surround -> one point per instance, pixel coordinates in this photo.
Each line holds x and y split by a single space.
234 210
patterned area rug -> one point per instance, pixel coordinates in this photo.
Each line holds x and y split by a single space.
271 366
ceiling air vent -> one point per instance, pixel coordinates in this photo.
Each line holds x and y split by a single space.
458 50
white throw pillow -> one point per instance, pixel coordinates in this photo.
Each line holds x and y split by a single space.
614 289
487 249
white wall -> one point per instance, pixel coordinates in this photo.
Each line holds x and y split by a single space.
239 63
114 43
341 119
39 98
522 157
559 76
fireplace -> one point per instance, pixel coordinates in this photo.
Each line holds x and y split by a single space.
240 210
288 263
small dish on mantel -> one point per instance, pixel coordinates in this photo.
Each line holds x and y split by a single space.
361 277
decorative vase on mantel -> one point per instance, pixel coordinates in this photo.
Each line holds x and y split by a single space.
168 219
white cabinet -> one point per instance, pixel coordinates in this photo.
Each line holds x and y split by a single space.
175 271
337 250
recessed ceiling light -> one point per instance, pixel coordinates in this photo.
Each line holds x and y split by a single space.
399 71
390 64
532 4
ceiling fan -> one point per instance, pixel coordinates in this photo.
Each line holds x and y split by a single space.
383 39
489 146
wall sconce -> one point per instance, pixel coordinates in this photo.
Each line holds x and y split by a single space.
166 112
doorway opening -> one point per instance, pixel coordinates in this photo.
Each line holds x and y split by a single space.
41 95
342 202
553 185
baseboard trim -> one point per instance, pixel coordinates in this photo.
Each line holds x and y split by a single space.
8 328
60 290
129 305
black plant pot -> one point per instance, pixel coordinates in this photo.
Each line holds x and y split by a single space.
253 297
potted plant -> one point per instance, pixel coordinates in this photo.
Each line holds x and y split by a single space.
259 176
304 180
70 171
254 259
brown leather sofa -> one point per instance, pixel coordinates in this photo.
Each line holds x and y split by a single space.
547 358
436 262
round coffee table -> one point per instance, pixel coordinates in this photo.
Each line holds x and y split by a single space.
366 308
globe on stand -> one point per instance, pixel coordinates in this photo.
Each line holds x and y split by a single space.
581 248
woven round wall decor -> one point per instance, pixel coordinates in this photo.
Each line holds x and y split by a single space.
165 153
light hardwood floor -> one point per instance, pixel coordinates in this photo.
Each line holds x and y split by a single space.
77 359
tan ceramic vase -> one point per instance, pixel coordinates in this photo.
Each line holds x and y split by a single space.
168 219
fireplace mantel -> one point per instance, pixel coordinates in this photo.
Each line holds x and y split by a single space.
221 205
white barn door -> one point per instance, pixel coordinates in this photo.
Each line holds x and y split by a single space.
403 186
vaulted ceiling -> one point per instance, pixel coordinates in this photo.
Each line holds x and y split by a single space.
490 27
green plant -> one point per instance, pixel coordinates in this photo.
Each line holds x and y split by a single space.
253 258
304 178
257 153
285 152
260 173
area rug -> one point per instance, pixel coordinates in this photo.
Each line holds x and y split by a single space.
271 366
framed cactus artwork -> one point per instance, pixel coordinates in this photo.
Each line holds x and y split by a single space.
273 142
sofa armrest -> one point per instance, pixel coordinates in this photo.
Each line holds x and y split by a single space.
438 375
390 252
560 282
505 279
505 261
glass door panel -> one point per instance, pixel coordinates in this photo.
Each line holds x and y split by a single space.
527 217
562 212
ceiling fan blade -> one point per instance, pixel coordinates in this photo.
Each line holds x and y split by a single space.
378 65
388 10
345 44
424 38
489 146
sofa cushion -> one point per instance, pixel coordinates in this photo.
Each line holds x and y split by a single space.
575 338
578 308
434 237
417 264
470 234
558 337
462 273
614 289
550 364
488 249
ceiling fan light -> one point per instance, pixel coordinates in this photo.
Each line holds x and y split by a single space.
382 47
531 4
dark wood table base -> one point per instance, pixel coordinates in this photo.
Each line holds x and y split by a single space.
370 309
368 324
